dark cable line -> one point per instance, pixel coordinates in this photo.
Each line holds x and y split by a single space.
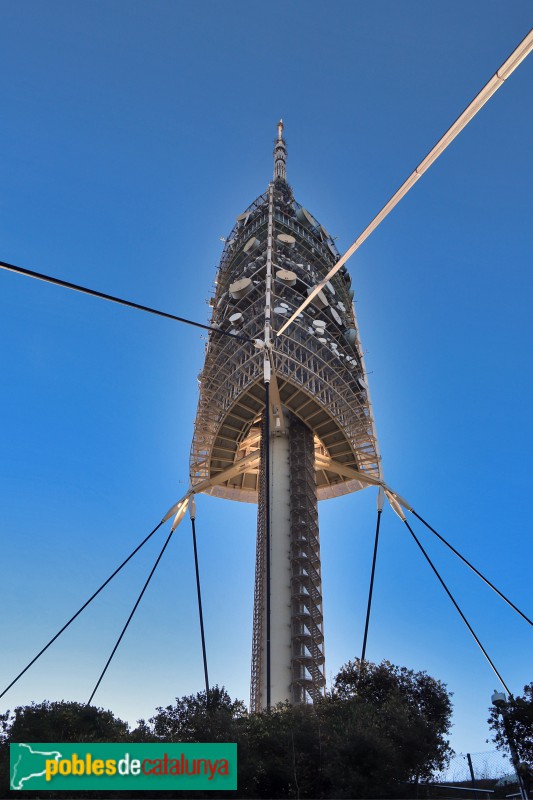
267 538
148 309
371 589
433 567
134 609
200 612
84 606
478 573
93 293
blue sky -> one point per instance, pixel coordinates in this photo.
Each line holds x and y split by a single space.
132 135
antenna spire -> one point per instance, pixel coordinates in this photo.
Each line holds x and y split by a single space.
280 155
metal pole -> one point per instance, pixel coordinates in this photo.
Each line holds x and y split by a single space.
267 538
471 768
514 753
371 589
192 512
266 375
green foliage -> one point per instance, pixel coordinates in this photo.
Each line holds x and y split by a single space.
372 735
191 719
412 711
64 722
60 721
519 713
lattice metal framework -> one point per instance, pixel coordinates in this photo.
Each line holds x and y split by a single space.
307 635
258 633
308 678
321 382
321 377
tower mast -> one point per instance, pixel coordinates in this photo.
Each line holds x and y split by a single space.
280 155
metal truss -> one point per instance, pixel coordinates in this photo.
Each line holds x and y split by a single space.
322 378
258 635
308 680
306 619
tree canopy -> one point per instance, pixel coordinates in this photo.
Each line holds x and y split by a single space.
415 708
63 721
58 721
519 714
190 719
380 729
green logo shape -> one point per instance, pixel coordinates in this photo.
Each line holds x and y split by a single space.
156 767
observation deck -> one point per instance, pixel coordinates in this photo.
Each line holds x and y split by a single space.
319 363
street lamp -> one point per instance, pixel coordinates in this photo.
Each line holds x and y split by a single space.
499 700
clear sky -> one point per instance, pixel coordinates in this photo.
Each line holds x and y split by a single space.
132 134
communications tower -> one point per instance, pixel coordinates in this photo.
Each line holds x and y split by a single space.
320 430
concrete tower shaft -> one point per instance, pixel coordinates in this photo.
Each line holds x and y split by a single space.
296 636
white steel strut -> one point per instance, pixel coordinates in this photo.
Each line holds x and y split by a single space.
497 80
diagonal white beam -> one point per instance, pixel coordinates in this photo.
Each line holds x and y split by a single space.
514 60
325 462
244 463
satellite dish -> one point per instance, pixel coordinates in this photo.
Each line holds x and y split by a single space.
287 239
286 276
240 288
251 244
305 218
351 336
336 316
320 300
